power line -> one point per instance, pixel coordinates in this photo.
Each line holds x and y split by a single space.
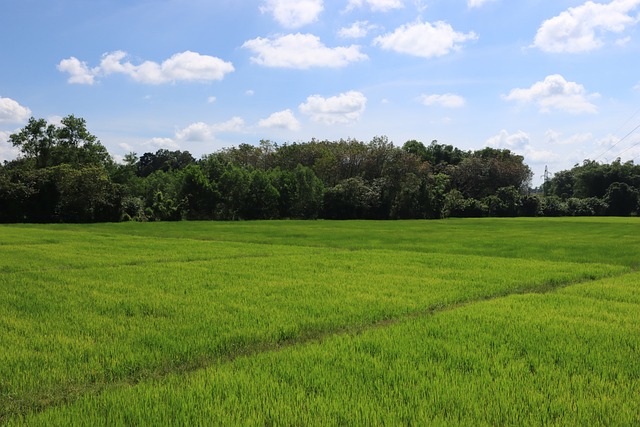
621 139
631 146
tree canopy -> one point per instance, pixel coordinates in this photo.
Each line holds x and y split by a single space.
64 174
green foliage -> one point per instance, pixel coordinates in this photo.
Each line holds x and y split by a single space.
622 199
86 195
351 198
163 160
49 145
486 171
344 179
198 193
531 206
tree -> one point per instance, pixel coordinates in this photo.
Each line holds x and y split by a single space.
198 193
440 155
86 195
35 141
562 184
163 160
350 199
416 148
306 200
621 198
234 187
505 203
49 145
489 169
262 198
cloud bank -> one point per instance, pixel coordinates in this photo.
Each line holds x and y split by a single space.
185 66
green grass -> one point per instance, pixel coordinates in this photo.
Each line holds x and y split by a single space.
451 322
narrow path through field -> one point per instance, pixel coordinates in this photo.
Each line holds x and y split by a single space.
11 406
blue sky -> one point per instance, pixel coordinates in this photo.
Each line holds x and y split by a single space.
556 81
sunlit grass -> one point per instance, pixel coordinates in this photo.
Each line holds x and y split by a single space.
561 358
193 313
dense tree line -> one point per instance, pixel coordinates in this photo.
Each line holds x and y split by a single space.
64 174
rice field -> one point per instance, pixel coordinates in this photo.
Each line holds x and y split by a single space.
456 322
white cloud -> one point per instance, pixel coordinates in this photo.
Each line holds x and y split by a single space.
515 141
520 143
249 92
584 28
185 66
282 120
555 93
477 3
293 13
301 51
126 147
158 143
12 112
342 109
212 100
357 30
556 138
235 124
424 39
376 5
447 100
79 72
540 156
198 131
7 151
204 132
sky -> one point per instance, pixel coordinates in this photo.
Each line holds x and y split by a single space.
556 81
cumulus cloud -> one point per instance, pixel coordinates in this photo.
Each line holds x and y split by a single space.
447 100
79 72
513 141
7 151
235 124
341 109
555 93
185 66
357 30
158 143
198 132
204 132
12 112
281 120
424 39
376 5
520 143
293 13
584 28
301 51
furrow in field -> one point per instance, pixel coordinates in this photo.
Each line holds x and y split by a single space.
65 395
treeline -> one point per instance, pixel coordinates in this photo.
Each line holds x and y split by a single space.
64 174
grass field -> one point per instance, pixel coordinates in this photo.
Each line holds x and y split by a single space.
476 322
